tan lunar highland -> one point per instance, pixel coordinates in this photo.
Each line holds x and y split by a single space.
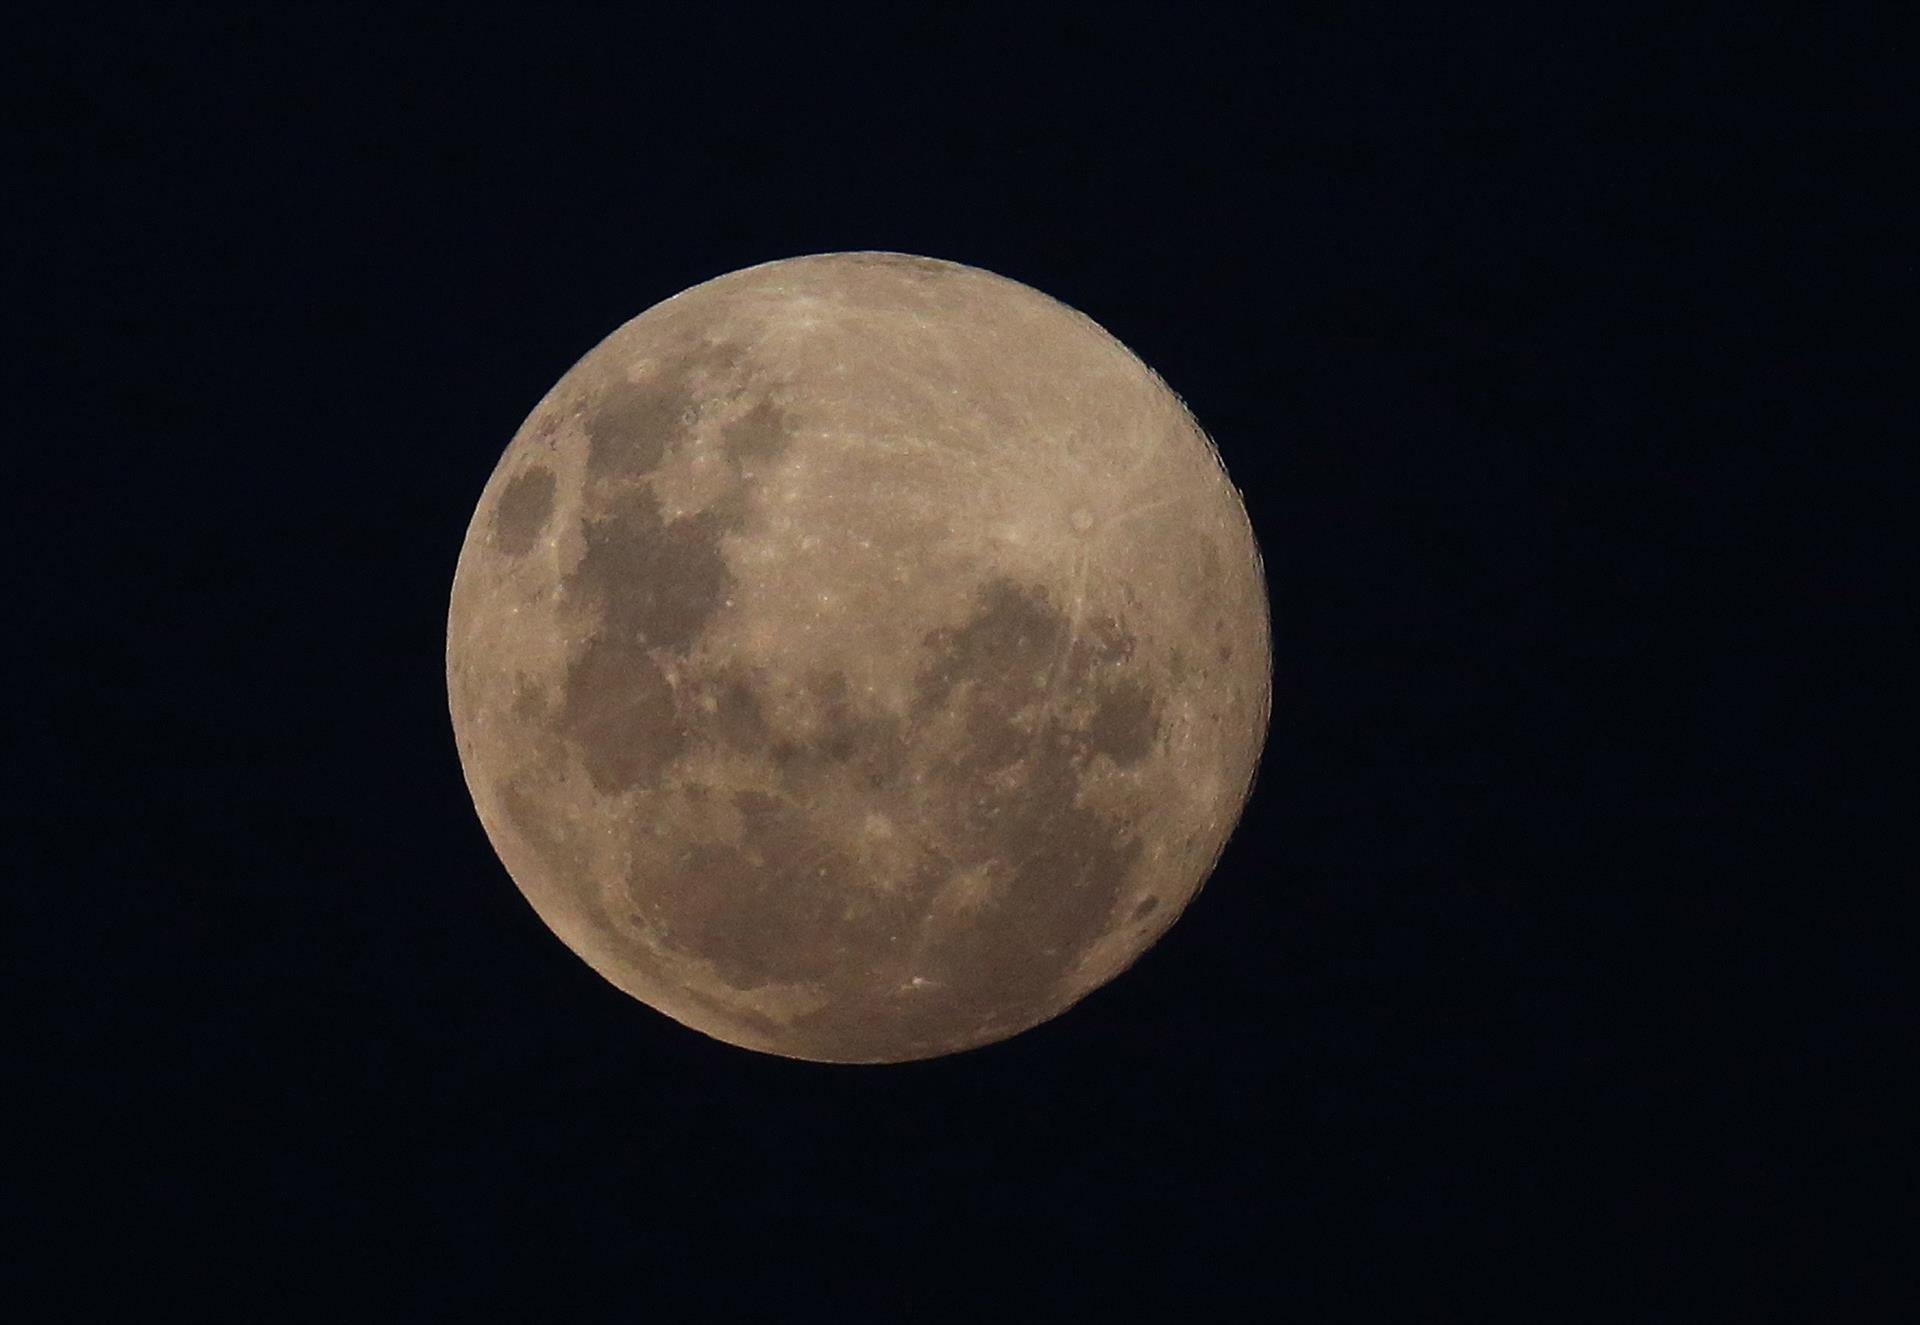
859 657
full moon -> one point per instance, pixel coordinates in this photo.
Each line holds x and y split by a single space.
859 657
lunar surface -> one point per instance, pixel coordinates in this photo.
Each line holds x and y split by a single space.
859 657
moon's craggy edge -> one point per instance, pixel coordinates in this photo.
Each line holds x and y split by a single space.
956 910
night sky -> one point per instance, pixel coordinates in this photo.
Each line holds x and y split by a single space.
1553 967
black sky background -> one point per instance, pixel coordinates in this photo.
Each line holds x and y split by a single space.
1554 966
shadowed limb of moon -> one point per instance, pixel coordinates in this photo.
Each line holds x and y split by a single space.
859 657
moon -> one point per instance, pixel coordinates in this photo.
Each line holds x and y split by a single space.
859 657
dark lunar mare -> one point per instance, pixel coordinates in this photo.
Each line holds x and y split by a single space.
1006 800
522 513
